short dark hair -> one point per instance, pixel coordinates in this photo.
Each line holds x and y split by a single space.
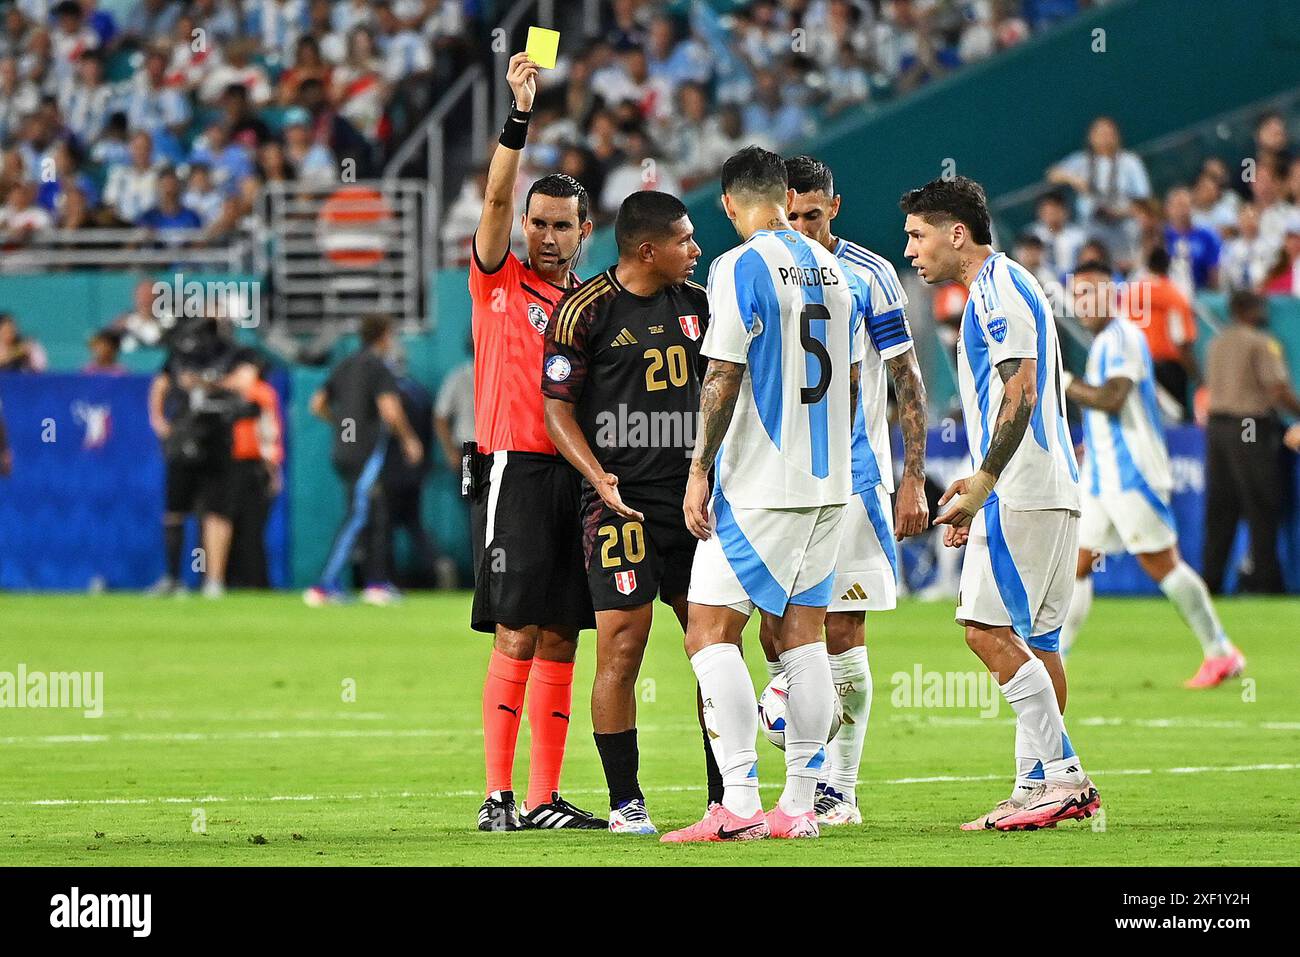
1029 239
374 326
755 170
959 199
1158 260
648 214
560 185
1102 250
1244 301
807 174
1053 196
1092 266
1268 116
111 336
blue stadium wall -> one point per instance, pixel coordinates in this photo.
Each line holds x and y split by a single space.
84 505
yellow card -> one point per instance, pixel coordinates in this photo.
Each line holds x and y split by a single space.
542 47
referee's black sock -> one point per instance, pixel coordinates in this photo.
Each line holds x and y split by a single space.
618 753
711 771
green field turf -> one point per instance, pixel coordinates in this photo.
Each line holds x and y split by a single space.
231 714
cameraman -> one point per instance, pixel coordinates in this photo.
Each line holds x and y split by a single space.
194 402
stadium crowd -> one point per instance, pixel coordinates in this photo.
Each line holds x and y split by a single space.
1234 225
169 115
658 100
172 116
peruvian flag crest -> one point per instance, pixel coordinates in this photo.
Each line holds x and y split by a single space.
625 582
690 326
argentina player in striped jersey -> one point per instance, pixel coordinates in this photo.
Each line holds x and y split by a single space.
1018 513
1127 479
785 345
866 569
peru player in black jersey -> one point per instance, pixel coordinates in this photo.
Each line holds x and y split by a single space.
622 391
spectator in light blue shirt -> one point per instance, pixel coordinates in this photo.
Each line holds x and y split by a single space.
770 117
1106 180
151 18
230 162
152 106
675 60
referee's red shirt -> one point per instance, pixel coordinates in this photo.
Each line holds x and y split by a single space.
512 307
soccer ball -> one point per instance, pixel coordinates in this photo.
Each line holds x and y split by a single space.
771 712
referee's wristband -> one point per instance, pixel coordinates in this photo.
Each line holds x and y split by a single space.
515 133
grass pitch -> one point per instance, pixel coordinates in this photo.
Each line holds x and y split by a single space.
255 731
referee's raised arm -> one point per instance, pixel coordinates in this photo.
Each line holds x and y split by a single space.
492 238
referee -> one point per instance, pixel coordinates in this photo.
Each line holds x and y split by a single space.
1248 382
530 587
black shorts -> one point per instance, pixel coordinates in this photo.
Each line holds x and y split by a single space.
630 561
527 533
202 489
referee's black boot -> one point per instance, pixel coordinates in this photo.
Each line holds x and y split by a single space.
558 813
499 813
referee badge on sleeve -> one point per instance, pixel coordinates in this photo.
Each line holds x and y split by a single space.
625 582
537 317
690 326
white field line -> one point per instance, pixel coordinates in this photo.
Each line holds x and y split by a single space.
442 795
314 733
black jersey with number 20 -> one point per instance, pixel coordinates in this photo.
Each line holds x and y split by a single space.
631 366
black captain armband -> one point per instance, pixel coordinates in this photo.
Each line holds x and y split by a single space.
515 132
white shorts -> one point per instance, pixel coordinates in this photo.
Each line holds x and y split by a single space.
866 569
1019 571
1127 522
767 557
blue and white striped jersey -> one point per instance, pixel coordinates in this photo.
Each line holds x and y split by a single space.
1007 317
890 335
788 310
1125 452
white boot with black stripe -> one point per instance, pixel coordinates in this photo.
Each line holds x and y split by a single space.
558 813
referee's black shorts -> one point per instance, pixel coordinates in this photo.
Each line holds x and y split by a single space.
629 562
528 567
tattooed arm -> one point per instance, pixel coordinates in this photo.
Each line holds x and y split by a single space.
1108 397
911 512
718 394
1020 395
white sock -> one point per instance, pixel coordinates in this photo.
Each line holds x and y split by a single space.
731 718
1043 749
1080 605
774 668
808 715
852 676
1029 772
1187 591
